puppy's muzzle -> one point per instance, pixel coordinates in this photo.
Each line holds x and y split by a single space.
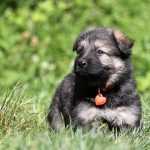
82 63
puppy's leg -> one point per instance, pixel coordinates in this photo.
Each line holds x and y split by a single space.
85 116
122 117
54 118
61 107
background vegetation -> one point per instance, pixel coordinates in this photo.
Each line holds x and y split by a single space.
36 38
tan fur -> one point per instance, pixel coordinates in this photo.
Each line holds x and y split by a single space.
118 116
102 45
119 68
119 35
123 41
106 60
82 44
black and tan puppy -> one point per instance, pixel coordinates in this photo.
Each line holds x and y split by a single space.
102 64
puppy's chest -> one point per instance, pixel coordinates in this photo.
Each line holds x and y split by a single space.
118 116
114 110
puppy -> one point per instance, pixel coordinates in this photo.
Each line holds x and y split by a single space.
102 67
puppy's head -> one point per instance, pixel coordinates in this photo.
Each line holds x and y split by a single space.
102 53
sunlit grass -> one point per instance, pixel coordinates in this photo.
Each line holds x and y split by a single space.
23 126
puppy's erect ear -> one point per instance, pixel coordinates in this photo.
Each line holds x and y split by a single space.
124 43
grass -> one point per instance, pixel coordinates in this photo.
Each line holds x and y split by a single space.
23 126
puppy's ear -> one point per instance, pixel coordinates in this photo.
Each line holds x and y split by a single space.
75 45
77 41
124 43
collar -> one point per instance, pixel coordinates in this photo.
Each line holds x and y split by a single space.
100 100
104 89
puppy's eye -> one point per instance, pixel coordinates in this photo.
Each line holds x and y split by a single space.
99 52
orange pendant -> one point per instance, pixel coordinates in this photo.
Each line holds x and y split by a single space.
100 100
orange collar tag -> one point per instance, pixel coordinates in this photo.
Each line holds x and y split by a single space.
100 100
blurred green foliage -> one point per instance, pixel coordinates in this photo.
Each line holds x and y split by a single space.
36 37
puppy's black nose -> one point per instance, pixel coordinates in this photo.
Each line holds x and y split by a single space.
82 63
